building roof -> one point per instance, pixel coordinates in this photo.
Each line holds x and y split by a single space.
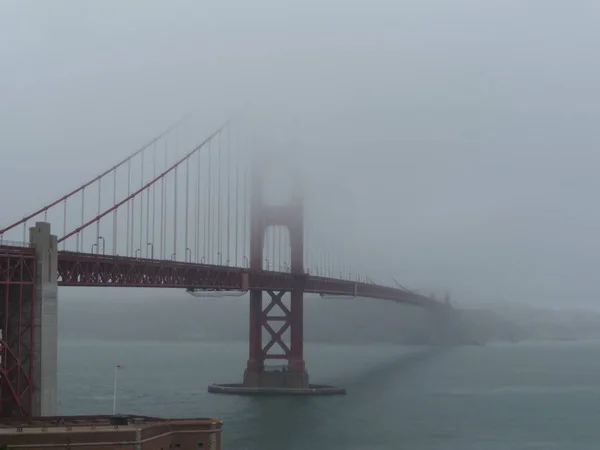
93 422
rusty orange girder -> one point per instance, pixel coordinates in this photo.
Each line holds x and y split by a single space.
87 269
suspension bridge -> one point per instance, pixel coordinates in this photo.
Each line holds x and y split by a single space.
179 212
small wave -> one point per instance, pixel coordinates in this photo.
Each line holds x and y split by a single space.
96 398
524 390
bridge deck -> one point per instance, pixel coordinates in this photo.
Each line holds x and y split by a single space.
85 269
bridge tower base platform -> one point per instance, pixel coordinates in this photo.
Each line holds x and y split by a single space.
288 379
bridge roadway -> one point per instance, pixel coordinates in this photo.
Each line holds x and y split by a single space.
90 269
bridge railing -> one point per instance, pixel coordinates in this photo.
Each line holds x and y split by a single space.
9 243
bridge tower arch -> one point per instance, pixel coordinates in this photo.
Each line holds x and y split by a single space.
274 318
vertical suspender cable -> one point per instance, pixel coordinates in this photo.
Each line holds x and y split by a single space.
114 233
334 264
267 249
175 216
320 264
318 251
132 226
64 221
164 216
210 207
280 233
82 219
198 204
162 209
219 254
128 205
187 205
305 258
99 212
237 197
246 228
304 249
331 264
314 264
152 241
147 224
273 245
228 194
324 261
141 246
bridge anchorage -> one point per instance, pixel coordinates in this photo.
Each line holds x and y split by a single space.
279 316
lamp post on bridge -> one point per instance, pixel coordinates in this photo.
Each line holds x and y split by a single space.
151 245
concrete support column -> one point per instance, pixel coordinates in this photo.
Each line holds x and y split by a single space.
45 321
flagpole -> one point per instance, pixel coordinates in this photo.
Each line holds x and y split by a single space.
115 391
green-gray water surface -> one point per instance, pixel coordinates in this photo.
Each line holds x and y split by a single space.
542 395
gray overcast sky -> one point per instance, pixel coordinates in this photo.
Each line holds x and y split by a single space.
460 137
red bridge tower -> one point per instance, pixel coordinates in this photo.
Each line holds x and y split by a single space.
276 318
279 320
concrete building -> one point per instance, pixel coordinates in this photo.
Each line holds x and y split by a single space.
110 432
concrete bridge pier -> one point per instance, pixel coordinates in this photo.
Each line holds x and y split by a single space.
28 326
45 321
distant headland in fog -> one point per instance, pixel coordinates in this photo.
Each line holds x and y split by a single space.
175 315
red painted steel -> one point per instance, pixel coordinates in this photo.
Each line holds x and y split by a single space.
263 216
172 168
79 269
90 269
92 181
17 301
276 347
